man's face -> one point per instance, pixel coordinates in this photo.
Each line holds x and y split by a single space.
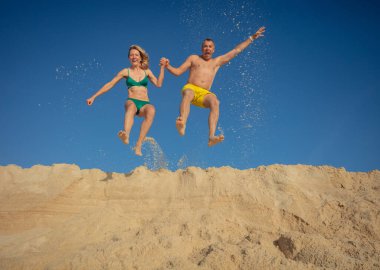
208 48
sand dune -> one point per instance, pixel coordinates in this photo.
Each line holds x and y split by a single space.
275 217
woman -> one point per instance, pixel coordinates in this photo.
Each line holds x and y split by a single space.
137 76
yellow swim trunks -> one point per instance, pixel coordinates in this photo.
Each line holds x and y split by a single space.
199 94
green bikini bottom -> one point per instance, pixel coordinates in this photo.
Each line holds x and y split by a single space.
139 103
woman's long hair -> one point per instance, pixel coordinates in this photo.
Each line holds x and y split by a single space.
144 56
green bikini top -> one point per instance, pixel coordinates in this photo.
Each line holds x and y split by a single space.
131 82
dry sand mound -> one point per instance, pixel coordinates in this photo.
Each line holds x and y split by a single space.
275 217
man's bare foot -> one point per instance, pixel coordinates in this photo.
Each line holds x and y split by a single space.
215 139
123 136
138 150
180 125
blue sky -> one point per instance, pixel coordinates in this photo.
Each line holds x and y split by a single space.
306 93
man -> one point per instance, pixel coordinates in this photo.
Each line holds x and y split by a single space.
203 69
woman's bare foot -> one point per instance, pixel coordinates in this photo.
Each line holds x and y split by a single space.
180 125
215 139
138 150
123 136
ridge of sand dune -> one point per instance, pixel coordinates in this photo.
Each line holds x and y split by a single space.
274 217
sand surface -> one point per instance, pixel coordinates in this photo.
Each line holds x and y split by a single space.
274 217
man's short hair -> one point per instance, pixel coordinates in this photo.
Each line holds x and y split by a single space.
207 39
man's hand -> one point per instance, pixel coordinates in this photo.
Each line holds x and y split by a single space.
259 33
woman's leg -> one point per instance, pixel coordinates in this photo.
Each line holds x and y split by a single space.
130 111
148 112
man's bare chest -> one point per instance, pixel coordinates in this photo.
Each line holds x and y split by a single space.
209 66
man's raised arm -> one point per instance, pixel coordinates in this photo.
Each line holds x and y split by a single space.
223 59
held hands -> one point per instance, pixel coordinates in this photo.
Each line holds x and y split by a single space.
164 62
258 34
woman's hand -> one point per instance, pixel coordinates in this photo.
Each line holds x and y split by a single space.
90 101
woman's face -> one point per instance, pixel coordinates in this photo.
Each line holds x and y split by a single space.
134 57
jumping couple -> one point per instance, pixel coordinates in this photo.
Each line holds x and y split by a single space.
203 69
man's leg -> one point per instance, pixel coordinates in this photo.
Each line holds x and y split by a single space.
147 111
184 110
130 111
210 101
